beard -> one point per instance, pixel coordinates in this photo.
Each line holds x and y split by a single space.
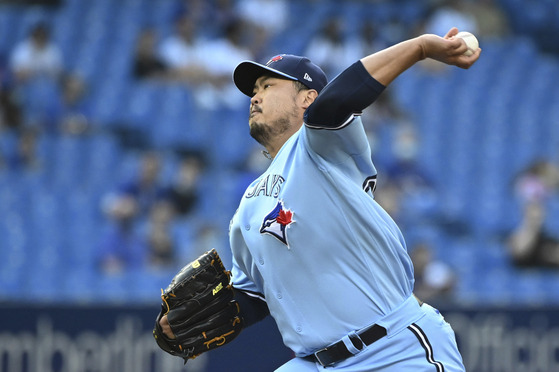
263 133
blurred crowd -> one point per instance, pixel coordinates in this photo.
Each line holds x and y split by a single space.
207 40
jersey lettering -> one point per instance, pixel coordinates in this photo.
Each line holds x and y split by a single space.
267 186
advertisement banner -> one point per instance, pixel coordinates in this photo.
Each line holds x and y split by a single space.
119 339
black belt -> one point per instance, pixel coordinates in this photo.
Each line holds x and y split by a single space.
338 352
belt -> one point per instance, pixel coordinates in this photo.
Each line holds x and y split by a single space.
337 352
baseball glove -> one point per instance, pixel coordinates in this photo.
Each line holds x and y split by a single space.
200 309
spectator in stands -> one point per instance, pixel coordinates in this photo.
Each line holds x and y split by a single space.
265 19
394 30
184 192
206 64
36 64
368 40
24 155
209 236
405 168
388 196
199 11
530 244
182 51
72 111
385 113
160 241
491 20
537 182
147 63
10 107
270 16
222 13
435 281
146 186
456 13
414 190
331 41
37 56
222 54
121 247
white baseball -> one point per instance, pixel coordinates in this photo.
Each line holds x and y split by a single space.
471 42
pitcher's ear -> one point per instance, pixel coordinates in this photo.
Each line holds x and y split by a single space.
309 97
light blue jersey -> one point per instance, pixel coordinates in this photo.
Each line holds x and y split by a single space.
309 239
309 236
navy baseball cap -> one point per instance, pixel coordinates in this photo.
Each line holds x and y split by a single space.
285 65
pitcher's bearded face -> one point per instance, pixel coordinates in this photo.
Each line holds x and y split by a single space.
273 109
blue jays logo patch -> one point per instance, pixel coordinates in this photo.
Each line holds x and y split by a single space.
276 223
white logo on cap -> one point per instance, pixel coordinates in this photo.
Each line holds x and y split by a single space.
307 77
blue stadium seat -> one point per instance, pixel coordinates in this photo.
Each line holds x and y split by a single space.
78 285
531 287
232 145
494 287
102 163
549 281
111 288
106 102
145 286
9 19
142 105
12 246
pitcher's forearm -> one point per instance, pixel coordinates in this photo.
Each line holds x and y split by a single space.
386 65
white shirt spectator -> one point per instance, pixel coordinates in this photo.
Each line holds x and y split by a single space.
222 55
36 55
454 14
270 15
178 54
181 49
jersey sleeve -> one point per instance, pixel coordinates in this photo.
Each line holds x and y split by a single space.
327 120
253 308
347 95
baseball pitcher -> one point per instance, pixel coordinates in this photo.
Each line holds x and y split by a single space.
311 246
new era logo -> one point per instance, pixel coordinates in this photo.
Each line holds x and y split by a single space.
307 77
